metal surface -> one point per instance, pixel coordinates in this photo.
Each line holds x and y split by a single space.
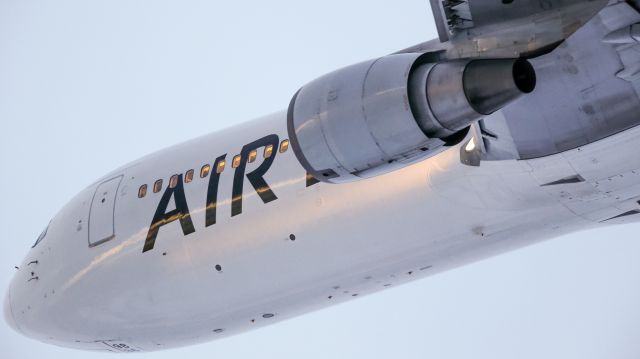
439 17
626 35
562 159
580 98
492 84
101 216
357 121
509 29
381 115
357 236
499 29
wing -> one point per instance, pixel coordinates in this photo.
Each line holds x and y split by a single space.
509 27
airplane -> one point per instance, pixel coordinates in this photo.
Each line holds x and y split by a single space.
517 125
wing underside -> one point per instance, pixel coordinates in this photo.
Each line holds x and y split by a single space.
509 27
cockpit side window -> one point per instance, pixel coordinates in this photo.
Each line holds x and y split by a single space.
41 236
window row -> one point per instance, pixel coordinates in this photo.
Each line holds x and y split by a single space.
206 169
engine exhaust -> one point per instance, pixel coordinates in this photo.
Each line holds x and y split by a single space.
459 92
384 114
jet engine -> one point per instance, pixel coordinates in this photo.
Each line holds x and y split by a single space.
381 115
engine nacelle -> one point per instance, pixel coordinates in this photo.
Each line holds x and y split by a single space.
380 115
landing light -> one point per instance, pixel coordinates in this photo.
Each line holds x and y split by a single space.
471 145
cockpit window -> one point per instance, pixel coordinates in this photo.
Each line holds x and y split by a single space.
41 236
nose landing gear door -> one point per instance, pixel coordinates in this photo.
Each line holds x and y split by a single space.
101 214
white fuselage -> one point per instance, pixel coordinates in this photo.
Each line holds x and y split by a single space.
311 247
132 264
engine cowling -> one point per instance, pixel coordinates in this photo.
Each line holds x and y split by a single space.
380 115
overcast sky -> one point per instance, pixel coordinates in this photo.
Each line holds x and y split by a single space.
86 86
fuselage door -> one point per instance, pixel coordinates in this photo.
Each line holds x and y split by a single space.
101 215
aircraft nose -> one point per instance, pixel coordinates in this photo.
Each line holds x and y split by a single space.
8 313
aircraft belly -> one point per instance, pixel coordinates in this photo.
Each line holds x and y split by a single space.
313 246
350 240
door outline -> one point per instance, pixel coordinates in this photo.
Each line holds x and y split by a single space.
113 213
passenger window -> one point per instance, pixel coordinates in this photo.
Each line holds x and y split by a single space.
252 156
284 146
204 171
268 151
236 161
173 181
142 191
220 166
188 177
157 186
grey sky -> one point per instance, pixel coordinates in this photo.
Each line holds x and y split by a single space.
86 86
